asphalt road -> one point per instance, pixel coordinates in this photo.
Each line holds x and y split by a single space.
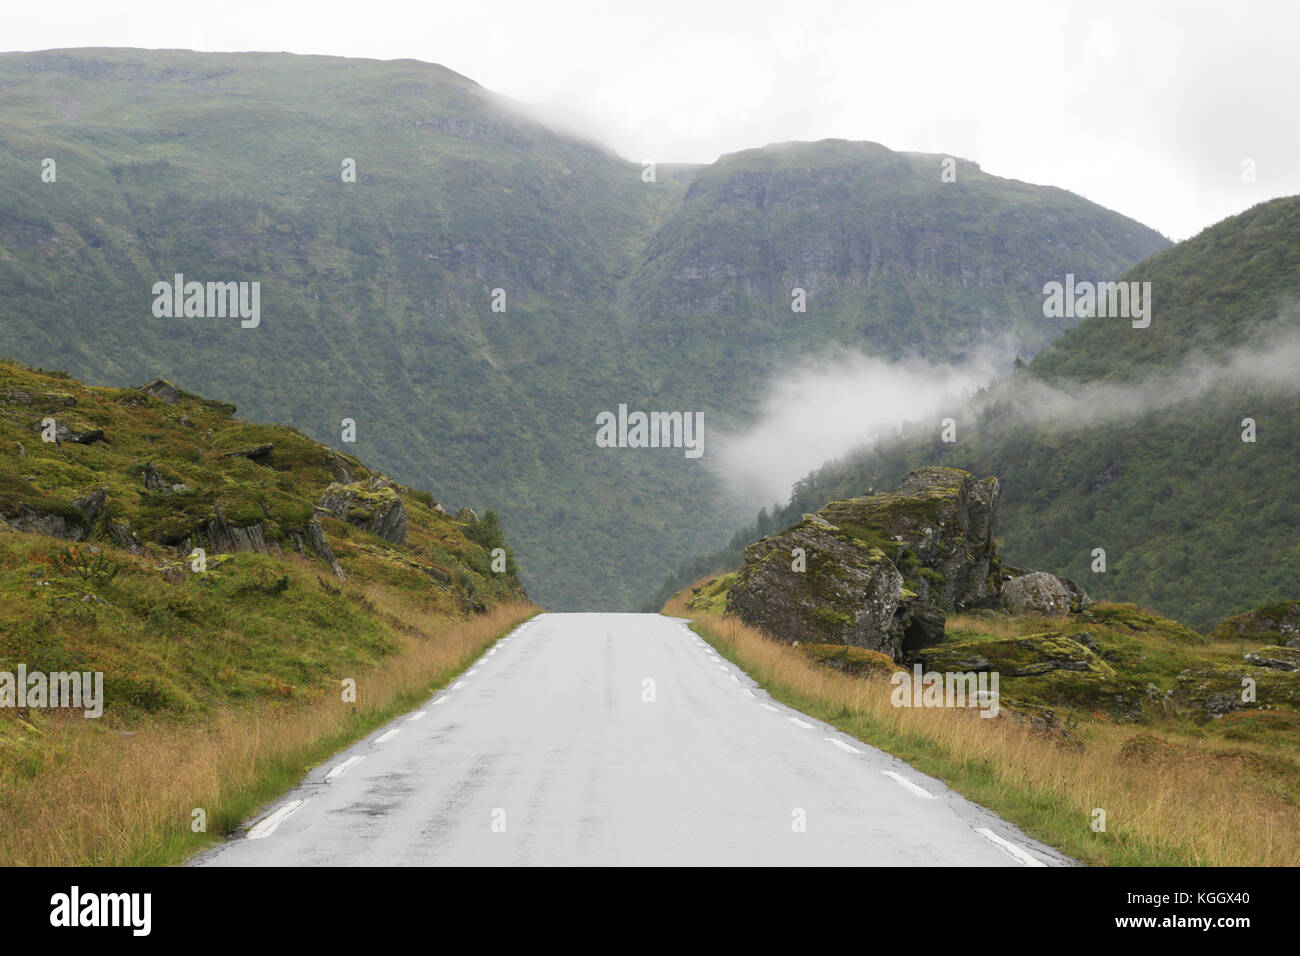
548 752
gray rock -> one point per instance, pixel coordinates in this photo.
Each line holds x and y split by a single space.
153 479
375 506
1278 658
92 505
1036 593
162 390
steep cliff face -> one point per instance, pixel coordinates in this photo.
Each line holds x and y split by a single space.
892 258
882 571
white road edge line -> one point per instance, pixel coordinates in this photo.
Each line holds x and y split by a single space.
843 746
268 825
735 678
918 790
799 723
440 700
1013 850
388 736
459 684
747 692
418 715
343 768
770 707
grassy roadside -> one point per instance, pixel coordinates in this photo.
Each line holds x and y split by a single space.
99 794
1165 804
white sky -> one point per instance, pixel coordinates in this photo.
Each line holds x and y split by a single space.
1147 108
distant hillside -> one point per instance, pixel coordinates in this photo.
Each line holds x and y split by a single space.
1143 453
377 295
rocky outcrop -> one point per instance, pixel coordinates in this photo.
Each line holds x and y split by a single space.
1219 689
1277 623
310 538
1278 658
374 505
55 524
882 571
257 453
1031 656
92 505
162 390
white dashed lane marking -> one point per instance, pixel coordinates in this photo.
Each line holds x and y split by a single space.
800 723
843 746
919 791
343 768
1014 851
268 825
389 736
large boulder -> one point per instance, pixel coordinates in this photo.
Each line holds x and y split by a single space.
883 571
846 594
879 572
1036 593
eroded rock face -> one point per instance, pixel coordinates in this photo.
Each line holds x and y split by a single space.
374 505
846 595
880 571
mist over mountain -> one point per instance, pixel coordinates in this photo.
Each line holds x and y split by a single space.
1172 448
487 286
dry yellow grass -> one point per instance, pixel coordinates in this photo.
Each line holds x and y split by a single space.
104 796
1167 805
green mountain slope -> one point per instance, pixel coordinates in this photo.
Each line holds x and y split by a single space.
377 295
197 559
1142 454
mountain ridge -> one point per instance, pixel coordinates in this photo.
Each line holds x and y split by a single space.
378 294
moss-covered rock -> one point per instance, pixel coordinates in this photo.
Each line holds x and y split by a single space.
1278 658
711 597
881 571
1219 689
1015 657
1277 623
375 505
854 661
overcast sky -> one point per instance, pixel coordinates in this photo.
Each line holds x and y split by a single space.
1148 108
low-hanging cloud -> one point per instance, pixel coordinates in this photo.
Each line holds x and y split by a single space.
825 410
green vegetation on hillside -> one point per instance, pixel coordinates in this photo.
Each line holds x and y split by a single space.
99 572
376 296
1194 522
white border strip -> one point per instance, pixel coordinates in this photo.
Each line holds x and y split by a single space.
915 788
1024 858
268 825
